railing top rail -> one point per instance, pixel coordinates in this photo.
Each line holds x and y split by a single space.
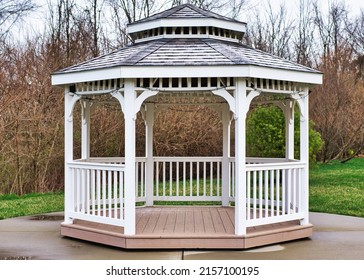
269 166
96 165
109 159
252 163
265 160
105 160
187 159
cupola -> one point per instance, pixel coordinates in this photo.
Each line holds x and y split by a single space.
187 21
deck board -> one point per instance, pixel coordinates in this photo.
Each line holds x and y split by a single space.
153 218
189 221
186 227
180 221
218 221
208 222
225 221
198 219
161 222
170 222
142 221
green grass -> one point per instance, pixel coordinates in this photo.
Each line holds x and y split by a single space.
30 204
334 188
338 188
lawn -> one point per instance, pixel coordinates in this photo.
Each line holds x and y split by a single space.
334 188
338 188
30 204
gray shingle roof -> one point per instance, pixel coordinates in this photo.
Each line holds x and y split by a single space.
186 52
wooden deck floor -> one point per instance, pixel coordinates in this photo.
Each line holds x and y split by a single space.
186 227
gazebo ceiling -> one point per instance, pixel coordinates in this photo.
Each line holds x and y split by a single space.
199 50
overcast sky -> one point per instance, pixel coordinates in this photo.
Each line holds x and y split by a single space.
293 5
353 4
35 21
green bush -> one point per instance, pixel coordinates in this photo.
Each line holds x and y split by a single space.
266 134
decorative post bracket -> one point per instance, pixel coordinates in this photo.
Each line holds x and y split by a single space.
227 96
71 106
249 98
142 97
120 97
299 99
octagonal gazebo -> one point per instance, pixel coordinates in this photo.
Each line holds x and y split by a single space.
186 55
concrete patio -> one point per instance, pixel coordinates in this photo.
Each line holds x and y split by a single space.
38 238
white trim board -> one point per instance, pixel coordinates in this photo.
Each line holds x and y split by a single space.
244 71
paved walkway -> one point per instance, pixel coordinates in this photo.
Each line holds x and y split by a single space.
38 237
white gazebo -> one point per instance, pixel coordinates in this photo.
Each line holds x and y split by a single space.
186 55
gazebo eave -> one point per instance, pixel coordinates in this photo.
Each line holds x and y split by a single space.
244 71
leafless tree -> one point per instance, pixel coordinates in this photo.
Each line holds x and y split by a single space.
303 38
330 26
336 106
272 31
11 11
31 110
355 29
133 10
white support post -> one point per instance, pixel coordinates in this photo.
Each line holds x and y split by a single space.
85 134
225 154
240 156
149 123
130 187
289 116
68 154
288 110
304 155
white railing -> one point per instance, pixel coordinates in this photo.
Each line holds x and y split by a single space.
274 186
97 192
274 192
140 179
251 161
176 178
231 179
187 178
140 170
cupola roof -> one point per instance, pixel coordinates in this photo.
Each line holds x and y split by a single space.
187 21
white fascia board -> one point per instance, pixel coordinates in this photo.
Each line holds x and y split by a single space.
86 76
183 22
180 71
245 71
285 75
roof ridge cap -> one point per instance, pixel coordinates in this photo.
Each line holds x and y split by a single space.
207 42
149 49
173 10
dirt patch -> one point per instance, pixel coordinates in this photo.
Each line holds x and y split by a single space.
47 218
15 258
